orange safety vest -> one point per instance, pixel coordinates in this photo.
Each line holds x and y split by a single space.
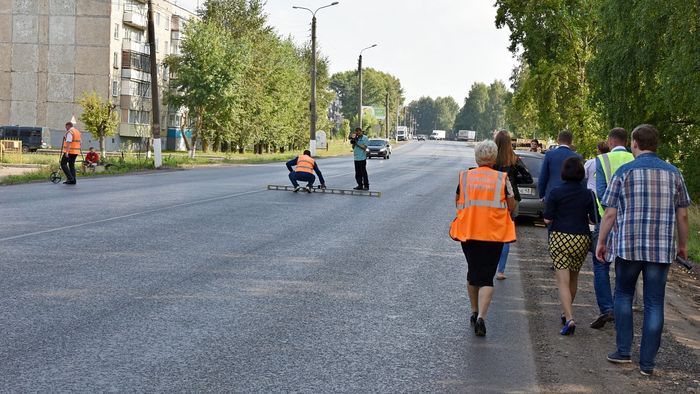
482 210
73 147
305 164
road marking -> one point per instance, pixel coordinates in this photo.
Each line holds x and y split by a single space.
184 204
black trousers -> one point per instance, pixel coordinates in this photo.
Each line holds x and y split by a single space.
68 166
361 173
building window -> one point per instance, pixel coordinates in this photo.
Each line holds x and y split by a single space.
157 18
167 24
115 88
115 60
139 117
116 31
165 47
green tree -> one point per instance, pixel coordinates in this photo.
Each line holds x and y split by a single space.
99 117
207 78
646 71
557 42
472 114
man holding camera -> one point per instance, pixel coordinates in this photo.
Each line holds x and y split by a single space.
359 148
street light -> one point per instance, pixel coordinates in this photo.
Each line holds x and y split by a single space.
312 101
359 72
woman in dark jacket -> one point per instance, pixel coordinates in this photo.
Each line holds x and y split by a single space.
507 161
569 210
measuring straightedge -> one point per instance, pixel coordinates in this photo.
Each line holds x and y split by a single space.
346 192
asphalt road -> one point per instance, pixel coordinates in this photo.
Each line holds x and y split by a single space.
203 280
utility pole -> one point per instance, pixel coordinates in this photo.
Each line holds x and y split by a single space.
359 71
312 100
155 97
312 103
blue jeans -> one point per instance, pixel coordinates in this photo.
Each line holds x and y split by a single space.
302 176
654 281
601 280
504 258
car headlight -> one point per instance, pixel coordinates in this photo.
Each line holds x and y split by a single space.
383 150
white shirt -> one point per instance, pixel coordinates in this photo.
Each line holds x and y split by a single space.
589 167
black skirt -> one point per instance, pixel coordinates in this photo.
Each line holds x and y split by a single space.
482 261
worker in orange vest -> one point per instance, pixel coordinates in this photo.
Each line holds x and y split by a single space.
305 168
71 150
483 224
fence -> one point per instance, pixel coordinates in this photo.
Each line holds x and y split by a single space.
10 148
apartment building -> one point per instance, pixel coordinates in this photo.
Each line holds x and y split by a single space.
54 51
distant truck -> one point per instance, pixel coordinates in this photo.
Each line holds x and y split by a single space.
438 135
466 135
401 133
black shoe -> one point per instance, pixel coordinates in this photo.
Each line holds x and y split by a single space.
480 328
69 183
365 188
357 188
600 321
472 318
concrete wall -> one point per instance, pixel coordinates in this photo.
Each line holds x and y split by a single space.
51 52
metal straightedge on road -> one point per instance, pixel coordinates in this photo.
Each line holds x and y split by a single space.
347 192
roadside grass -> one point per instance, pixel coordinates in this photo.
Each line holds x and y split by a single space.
131 162
694 236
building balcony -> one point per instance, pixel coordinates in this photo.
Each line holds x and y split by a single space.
175 35
135 46
137 75
134 102
135 19
134 130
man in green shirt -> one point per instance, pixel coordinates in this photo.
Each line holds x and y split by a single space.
360 155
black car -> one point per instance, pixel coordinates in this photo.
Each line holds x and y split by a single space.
378 147
32 138
530 204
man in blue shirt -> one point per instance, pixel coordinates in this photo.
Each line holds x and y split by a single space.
646 216
550 176
359 152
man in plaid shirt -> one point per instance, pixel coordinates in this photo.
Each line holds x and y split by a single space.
645 202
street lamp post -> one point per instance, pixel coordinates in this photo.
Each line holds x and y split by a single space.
312 100
359 72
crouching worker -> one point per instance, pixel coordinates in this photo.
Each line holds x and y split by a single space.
305 168
92 158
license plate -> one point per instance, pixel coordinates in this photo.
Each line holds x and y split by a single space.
525 190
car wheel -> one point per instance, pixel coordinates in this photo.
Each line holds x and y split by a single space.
25 149
386 157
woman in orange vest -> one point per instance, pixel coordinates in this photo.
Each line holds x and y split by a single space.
570 208
71 150
483 224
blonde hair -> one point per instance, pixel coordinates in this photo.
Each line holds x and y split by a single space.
485 152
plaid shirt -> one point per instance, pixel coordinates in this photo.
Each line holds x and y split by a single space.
646 192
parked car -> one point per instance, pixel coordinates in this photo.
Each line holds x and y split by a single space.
530 204
32 138
421 137
378 147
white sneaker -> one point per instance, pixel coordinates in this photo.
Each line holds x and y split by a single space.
308 189
296 189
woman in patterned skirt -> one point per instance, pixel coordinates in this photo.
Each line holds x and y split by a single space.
568 211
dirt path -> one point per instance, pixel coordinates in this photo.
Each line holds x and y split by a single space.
7 171
577 363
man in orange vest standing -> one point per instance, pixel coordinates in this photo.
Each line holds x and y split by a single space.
485 198
71 150
305 168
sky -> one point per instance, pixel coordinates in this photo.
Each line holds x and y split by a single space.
436 48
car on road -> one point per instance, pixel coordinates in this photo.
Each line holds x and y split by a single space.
378 147
530 203
421 137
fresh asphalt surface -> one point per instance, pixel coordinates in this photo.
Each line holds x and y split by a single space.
203 280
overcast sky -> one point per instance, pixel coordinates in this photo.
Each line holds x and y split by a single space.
435 47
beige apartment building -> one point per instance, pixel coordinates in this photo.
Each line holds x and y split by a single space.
54 51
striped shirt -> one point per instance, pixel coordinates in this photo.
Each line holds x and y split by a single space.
646 192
